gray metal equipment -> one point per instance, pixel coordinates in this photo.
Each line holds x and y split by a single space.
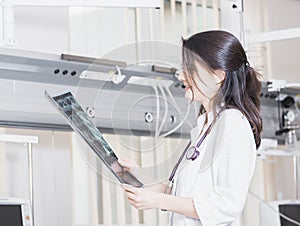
118 97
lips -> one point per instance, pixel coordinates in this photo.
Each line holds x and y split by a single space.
186 87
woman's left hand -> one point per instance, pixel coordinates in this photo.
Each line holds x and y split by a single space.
141 198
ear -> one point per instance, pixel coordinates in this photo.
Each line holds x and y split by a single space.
220 75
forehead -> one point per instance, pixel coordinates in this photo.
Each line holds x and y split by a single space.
192 61
196 66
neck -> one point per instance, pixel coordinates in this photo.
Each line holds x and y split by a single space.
208 106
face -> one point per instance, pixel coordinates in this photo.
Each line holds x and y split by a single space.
205 88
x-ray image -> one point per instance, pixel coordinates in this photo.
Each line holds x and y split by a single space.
77 118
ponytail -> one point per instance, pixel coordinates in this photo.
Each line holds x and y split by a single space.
253 90
241 89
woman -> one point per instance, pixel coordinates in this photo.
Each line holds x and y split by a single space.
211 187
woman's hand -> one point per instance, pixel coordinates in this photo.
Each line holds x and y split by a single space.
142 198
132 167
149 183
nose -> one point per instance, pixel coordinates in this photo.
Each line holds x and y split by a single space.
181 76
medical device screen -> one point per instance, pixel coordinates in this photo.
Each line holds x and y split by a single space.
292 211
11 215
77 118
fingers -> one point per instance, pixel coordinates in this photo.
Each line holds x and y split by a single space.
129 188
136 197
131 193
134 204
127 162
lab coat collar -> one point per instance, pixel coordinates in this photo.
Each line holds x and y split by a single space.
195 132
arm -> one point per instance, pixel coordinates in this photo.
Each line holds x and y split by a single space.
180 205
160 187
139 198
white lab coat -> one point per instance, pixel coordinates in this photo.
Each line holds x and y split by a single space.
219 178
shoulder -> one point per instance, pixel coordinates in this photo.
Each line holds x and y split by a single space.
233 128
231 137
232 113
233 118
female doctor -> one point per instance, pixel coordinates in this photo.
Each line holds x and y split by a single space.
211 181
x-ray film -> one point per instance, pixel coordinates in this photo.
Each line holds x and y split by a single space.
77 118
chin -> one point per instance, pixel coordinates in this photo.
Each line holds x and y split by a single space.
187 96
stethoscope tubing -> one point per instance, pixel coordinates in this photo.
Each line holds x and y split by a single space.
189 147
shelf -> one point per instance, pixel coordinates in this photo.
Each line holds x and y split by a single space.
18 138
278 152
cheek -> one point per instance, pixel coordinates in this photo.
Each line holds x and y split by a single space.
208 89
188 94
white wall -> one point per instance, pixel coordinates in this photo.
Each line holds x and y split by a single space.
95 32
277 59
42 29
285 55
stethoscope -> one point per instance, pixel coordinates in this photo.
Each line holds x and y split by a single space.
190 153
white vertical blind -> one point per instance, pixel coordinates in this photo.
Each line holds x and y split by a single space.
93 197
194 15
107 200
3 168
138 25
215 6
204 14
121 215
184 17
148 159
151 28
162 20
173 13
126 25
80 185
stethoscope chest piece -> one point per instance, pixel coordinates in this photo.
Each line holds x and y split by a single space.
192 153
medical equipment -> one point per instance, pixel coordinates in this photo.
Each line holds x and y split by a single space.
289 213
287 116
16 212
97 83
280 112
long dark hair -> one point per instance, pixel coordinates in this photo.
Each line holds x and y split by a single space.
220 50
